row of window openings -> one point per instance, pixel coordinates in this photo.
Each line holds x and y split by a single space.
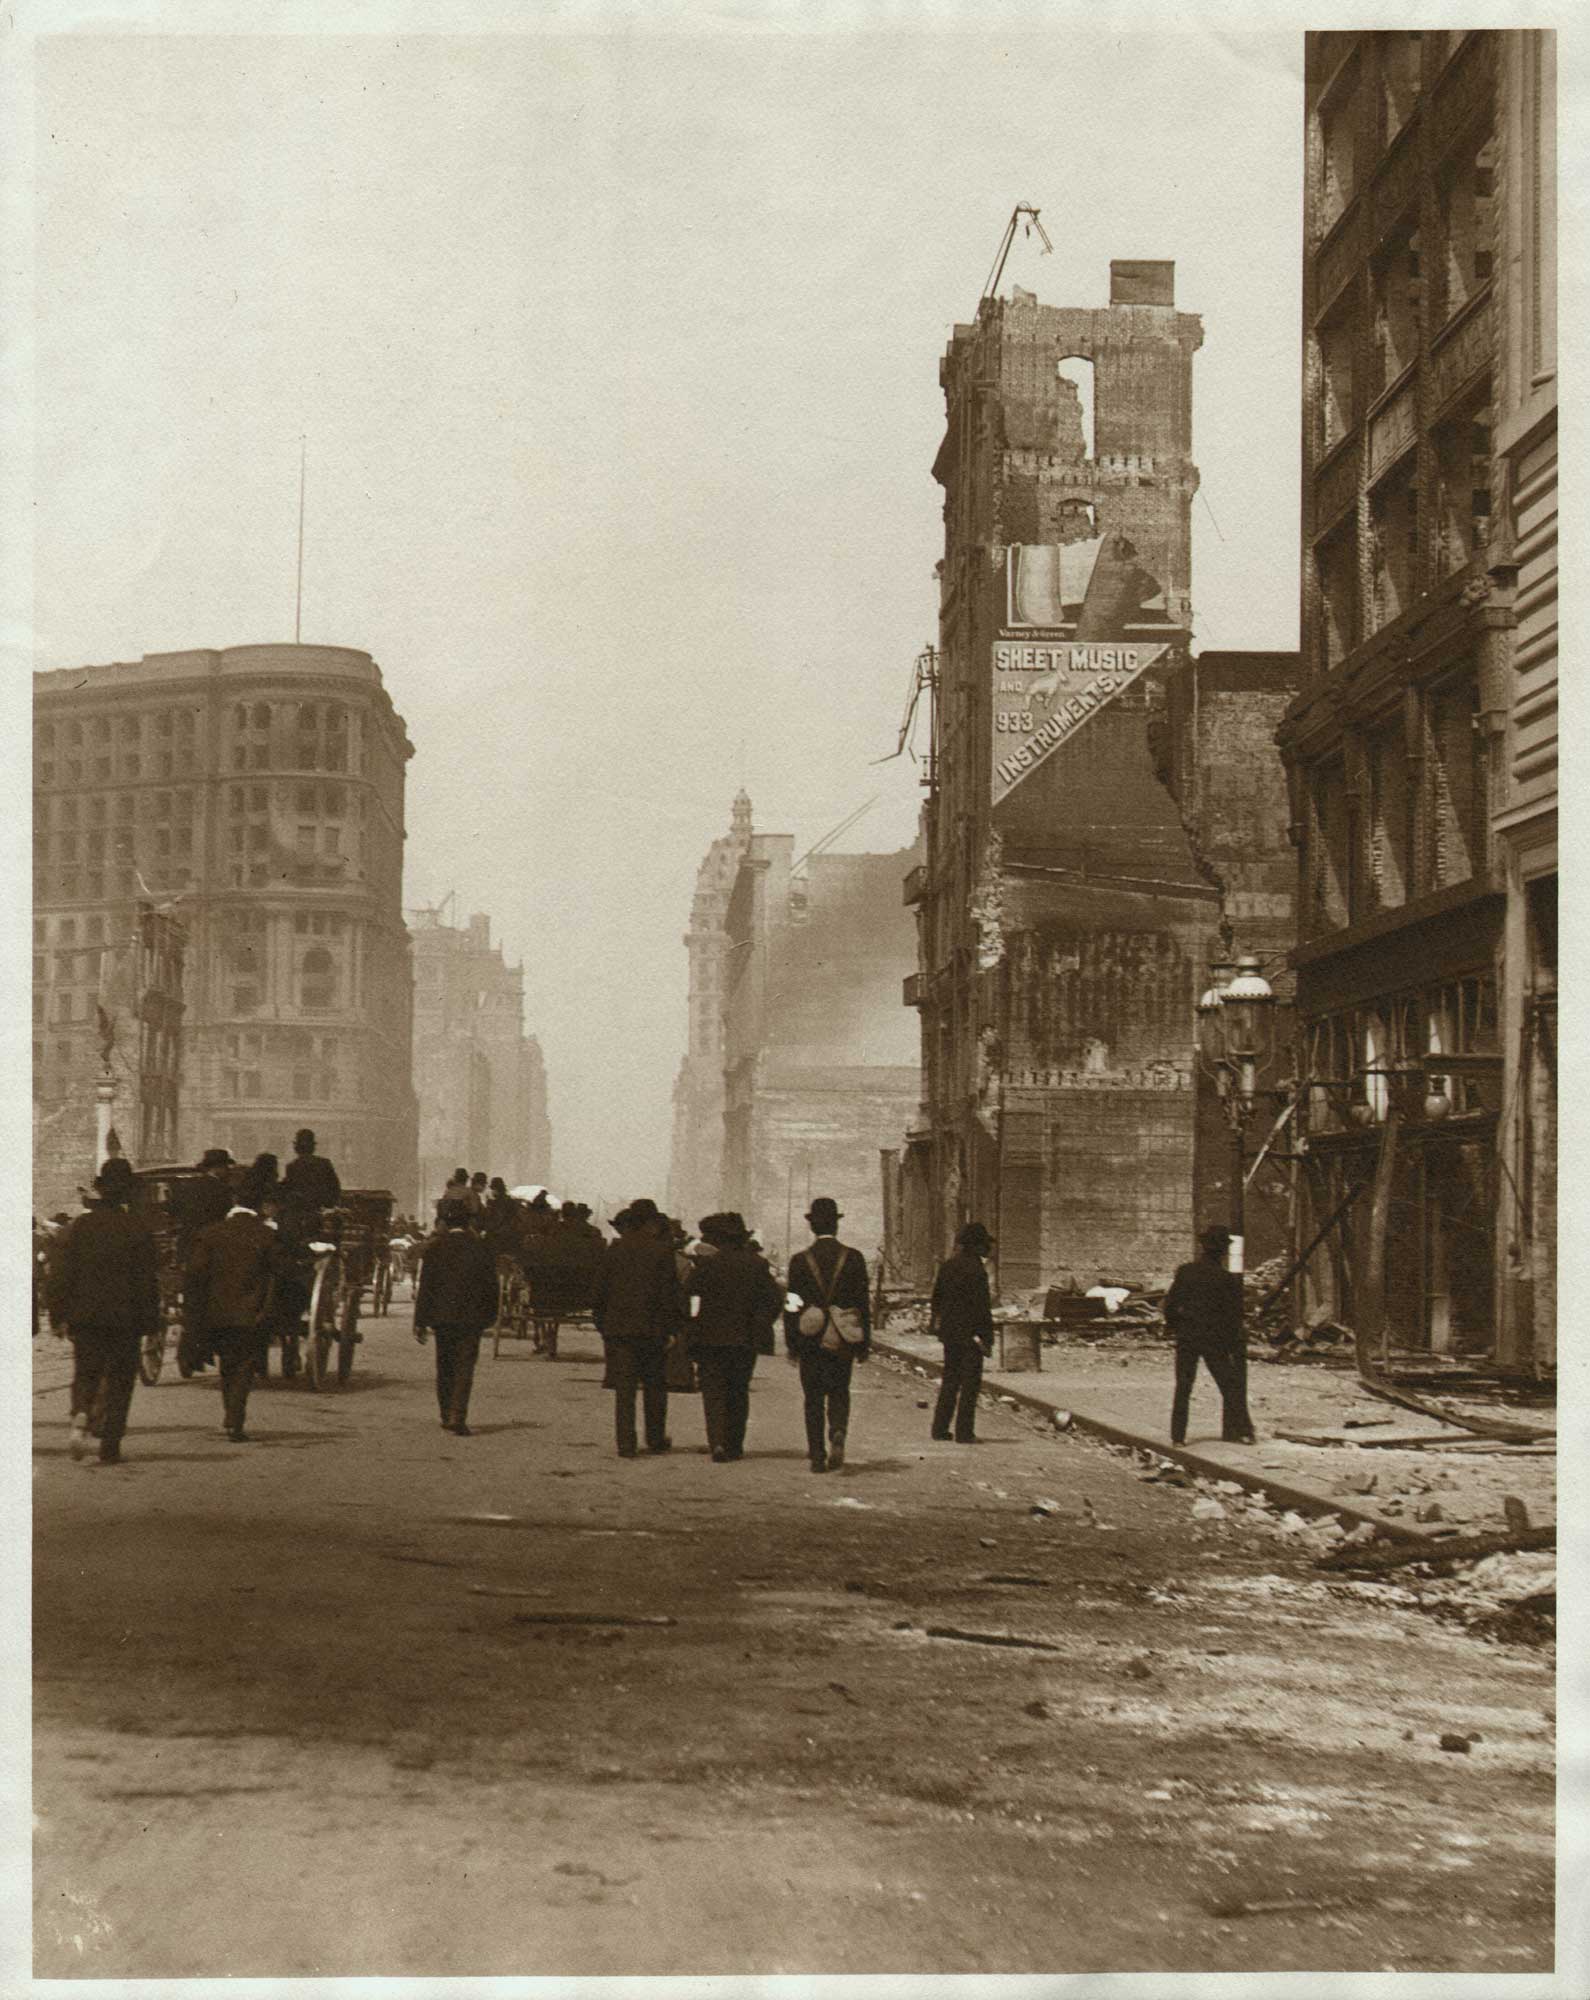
64 847
1352 1056
68 885
97 729
1400 56
1395 335
63 930
1461 528
300 1086
1380 852
102 807
104 770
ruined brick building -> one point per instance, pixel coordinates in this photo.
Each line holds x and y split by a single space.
1422 749
1082 840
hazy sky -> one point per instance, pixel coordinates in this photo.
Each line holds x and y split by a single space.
618 360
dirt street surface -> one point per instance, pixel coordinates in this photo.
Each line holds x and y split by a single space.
316 1705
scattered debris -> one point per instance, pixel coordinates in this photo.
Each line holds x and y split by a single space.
591 1618
1062 1420
1460 1549
1040 1710
595 1874
1033 1582
1140 1667
990 1638
1451 1741
1517 1515
1046 1506
1274 1905
1208 1509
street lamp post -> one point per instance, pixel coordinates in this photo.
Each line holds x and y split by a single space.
1236 1036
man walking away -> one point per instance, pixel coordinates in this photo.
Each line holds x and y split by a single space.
962 1315
457 1301
739 1296
1203 1309
638 1308
228 1292
831 1332
104 1288
309 1186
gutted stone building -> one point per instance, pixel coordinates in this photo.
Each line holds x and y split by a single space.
695 1169
480 1079
1065 905
1422 747
820 1069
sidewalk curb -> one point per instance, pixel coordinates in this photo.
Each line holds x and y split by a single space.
1299 1500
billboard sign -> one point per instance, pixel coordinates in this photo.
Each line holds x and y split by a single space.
1084 620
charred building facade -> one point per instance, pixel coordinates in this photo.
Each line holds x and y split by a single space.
480 1079
820 1064
1422 748
695 1170
1069 889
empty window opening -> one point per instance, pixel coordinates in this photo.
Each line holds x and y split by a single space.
1077 436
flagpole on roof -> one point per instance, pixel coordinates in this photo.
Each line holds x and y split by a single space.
298 602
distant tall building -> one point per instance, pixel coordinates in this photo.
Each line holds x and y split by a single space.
695 1173
481 1080
256 795
1422 748
820 1063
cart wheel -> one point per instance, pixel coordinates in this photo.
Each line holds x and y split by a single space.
381 1289
323 1321
151 1357
347 1335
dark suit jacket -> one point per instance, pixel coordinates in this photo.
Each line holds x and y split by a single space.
458 1282
851 1286
739 1297
310 1182
105 1273
1204 1303
962 1306
637 1294
231 1273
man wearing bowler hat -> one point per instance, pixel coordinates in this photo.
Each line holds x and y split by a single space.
831 1332
1203 1309
638 1306
962 1315
104 1288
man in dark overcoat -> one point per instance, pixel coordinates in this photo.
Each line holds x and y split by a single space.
638 1307
456 1301
826 1274
309 1186
962 1315
1203 1310
104 1288
739 1296
228 1292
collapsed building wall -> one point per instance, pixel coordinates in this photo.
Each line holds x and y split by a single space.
1065 909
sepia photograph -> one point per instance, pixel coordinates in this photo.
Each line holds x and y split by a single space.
794 997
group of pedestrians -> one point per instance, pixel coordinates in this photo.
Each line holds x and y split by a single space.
668 1310
241 1241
